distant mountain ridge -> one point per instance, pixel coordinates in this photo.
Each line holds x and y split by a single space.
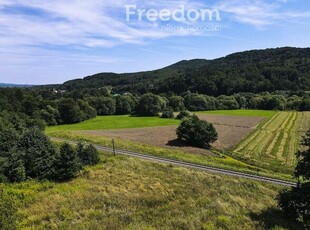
9 85
253 71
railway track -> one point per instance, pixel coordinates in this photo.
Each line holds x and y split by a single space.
188 165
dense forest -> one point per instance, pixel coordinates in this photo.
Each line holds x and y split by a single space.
255 71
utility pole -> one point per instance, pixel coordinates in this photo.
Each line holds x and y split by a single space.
113 146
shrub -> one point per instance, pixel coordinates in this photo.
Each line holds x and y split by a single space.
167 114
196 132
16 171
183 114
88 155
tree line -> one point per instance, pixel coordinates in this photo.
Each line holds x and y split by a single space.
37 107
28 153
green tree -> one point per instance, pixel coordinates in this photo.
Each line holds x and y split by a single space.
199 102
87 112
149 105
125 104
177 103
67 164
226 102
103 105
38 153
295 202
69 111
196 132
50 115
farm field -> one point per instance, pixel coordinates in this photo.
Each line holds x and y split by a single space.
275 142
242 112
115 122
127 193
127 122
266 139
231 130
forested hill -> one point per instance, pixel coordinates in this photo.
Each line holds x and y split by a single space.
251 71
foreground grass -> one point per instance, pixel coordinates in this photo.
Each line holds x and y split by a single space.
221 161
242 112
116 122
127 193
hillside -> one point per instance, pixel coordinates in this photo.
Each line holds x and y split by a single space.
251 71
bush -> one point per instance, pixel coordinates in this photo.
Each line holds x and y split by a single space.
167 114
88 155
183 114
196 132
16 171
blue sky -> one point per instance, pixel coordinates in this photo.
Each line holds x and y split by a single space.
43 42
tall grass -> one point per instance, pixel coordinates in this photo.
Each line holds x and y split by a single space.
127 193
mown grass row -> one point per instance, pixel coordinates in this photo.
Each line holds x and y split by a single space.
275 141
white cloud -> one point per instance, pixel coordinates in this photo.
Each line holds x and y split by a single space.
259 13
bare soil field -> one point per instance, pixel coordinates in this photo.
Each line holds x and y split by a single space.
231 130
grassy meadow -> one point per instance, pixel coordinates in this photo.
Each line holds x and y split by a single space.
128 122
127 193
116 122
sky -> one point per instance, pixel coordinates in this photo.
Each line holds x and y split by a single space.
52 41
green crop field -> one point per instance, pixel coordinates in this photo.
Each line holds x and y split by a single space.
116 122
242 112
275 141
127 193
